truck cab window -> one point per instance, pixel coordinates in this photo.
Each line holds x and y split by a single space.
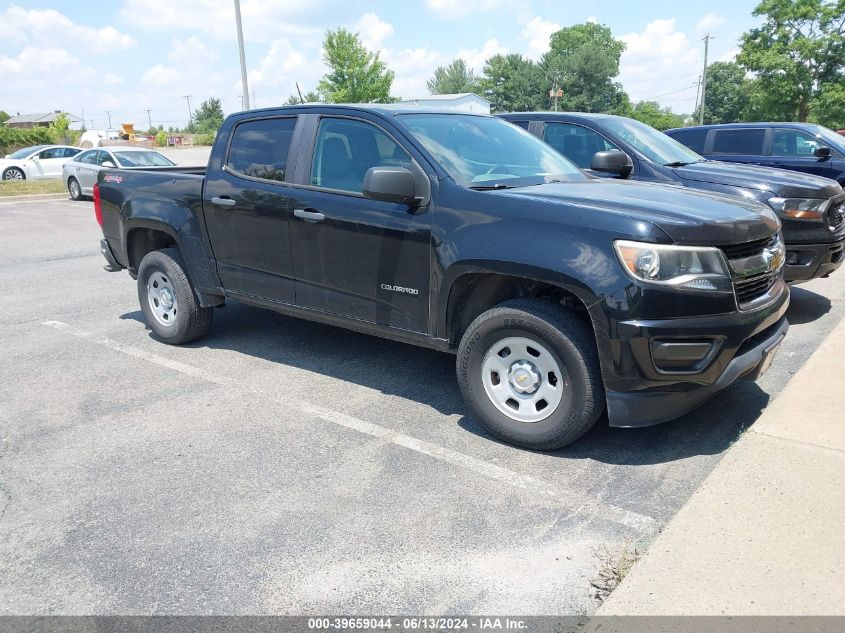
346 149
260 148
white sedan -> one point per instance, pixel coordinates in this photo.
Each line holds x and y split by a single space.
80 174
40 161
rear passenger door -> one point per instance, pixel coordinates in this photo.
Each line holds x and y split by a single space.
740 145
247 207
353 256
793 149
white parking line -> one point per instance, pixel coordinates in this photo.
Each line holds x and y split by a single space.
577 504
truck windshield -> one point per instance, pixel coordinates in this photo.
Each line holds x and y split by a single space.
831 139
487 153
650 143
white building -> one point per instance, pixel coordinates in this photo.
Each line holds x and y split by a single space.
463 101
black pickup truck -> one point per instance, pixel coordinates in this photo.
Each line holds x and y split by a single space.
562 294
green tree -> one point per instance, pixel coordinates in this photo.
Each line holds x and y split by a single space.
356 75
650 113
308 97
59 128
455 78
797 55
583 60
829 108
208 117
728 94
4 116
513 83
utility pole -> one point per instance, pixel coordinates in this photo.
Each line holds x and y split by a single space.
190 112
244 85
109 113
241 97
706 39
301 100
149 120
254 101
697 93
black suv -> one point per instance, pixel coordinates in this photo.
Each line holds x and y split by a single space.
811 208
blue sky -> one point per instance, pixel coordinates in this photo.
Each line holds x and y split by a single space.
128 56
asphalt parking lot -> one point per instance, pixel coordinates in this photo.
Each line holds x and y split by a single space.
281 466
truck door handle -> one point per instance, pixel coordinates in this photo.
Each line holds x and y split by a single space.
223 202
309 215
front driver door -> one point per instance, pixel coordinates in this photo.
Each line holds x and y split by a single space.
353 256
794 149
48 163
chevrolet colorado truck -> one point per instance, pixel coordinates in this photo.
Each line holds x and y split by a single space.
811 208
562 295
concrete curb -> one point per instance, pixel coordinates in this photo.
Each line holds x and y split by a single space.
762 535
30 197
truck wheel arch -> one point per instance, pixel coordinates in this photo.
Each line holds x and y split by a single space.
142 238
472 292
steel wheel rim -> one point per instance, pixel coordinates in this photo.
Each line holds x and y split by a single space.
14 174
162 299
74 189
522 379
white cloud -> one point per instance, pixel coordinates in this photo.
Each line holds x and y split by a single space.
709 22
161 76
593 19
661 60
413 68
191 50
475 58
537 33
373 31
263 21
451 9
51 28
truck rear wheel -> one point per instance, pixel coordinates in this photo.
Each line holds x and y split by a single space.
529 371
168 300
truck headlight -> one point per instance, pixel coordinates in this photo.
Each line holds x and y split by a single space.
682 267
799 208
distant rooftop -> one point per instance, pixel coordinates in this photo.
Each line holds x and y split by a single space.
40 118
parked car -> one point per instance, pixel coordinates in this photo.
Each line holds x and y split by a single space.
80 174
811 208
38 161
561 294
805 147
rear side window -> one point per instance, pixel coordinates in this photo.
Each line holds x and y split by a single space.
88 157
577 143
70 152
346 149
260 148
748 141
694 139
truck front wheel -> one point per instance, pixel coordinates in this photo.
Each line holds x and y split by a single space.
168 300
530 372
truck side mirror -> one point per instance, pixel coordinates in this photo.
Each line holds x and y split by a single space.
390 184
612 162
822 152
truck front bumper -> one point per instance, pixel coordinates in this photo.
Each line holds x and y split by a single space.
809 261
681 363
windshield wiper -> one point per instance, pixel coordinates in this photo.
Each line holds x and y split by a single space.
498 185
682 163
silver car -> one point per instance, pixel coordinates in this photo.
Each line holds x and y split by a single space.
39 161
80 174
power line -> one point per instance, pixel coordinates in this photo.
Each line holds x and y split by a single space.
671 93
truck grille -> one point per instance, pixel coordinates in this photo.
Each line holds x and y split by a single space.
749 249
836 215
751 288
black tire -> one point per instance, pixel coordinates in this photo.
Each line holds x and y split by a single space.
569 340
190 321
74 189
10 174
